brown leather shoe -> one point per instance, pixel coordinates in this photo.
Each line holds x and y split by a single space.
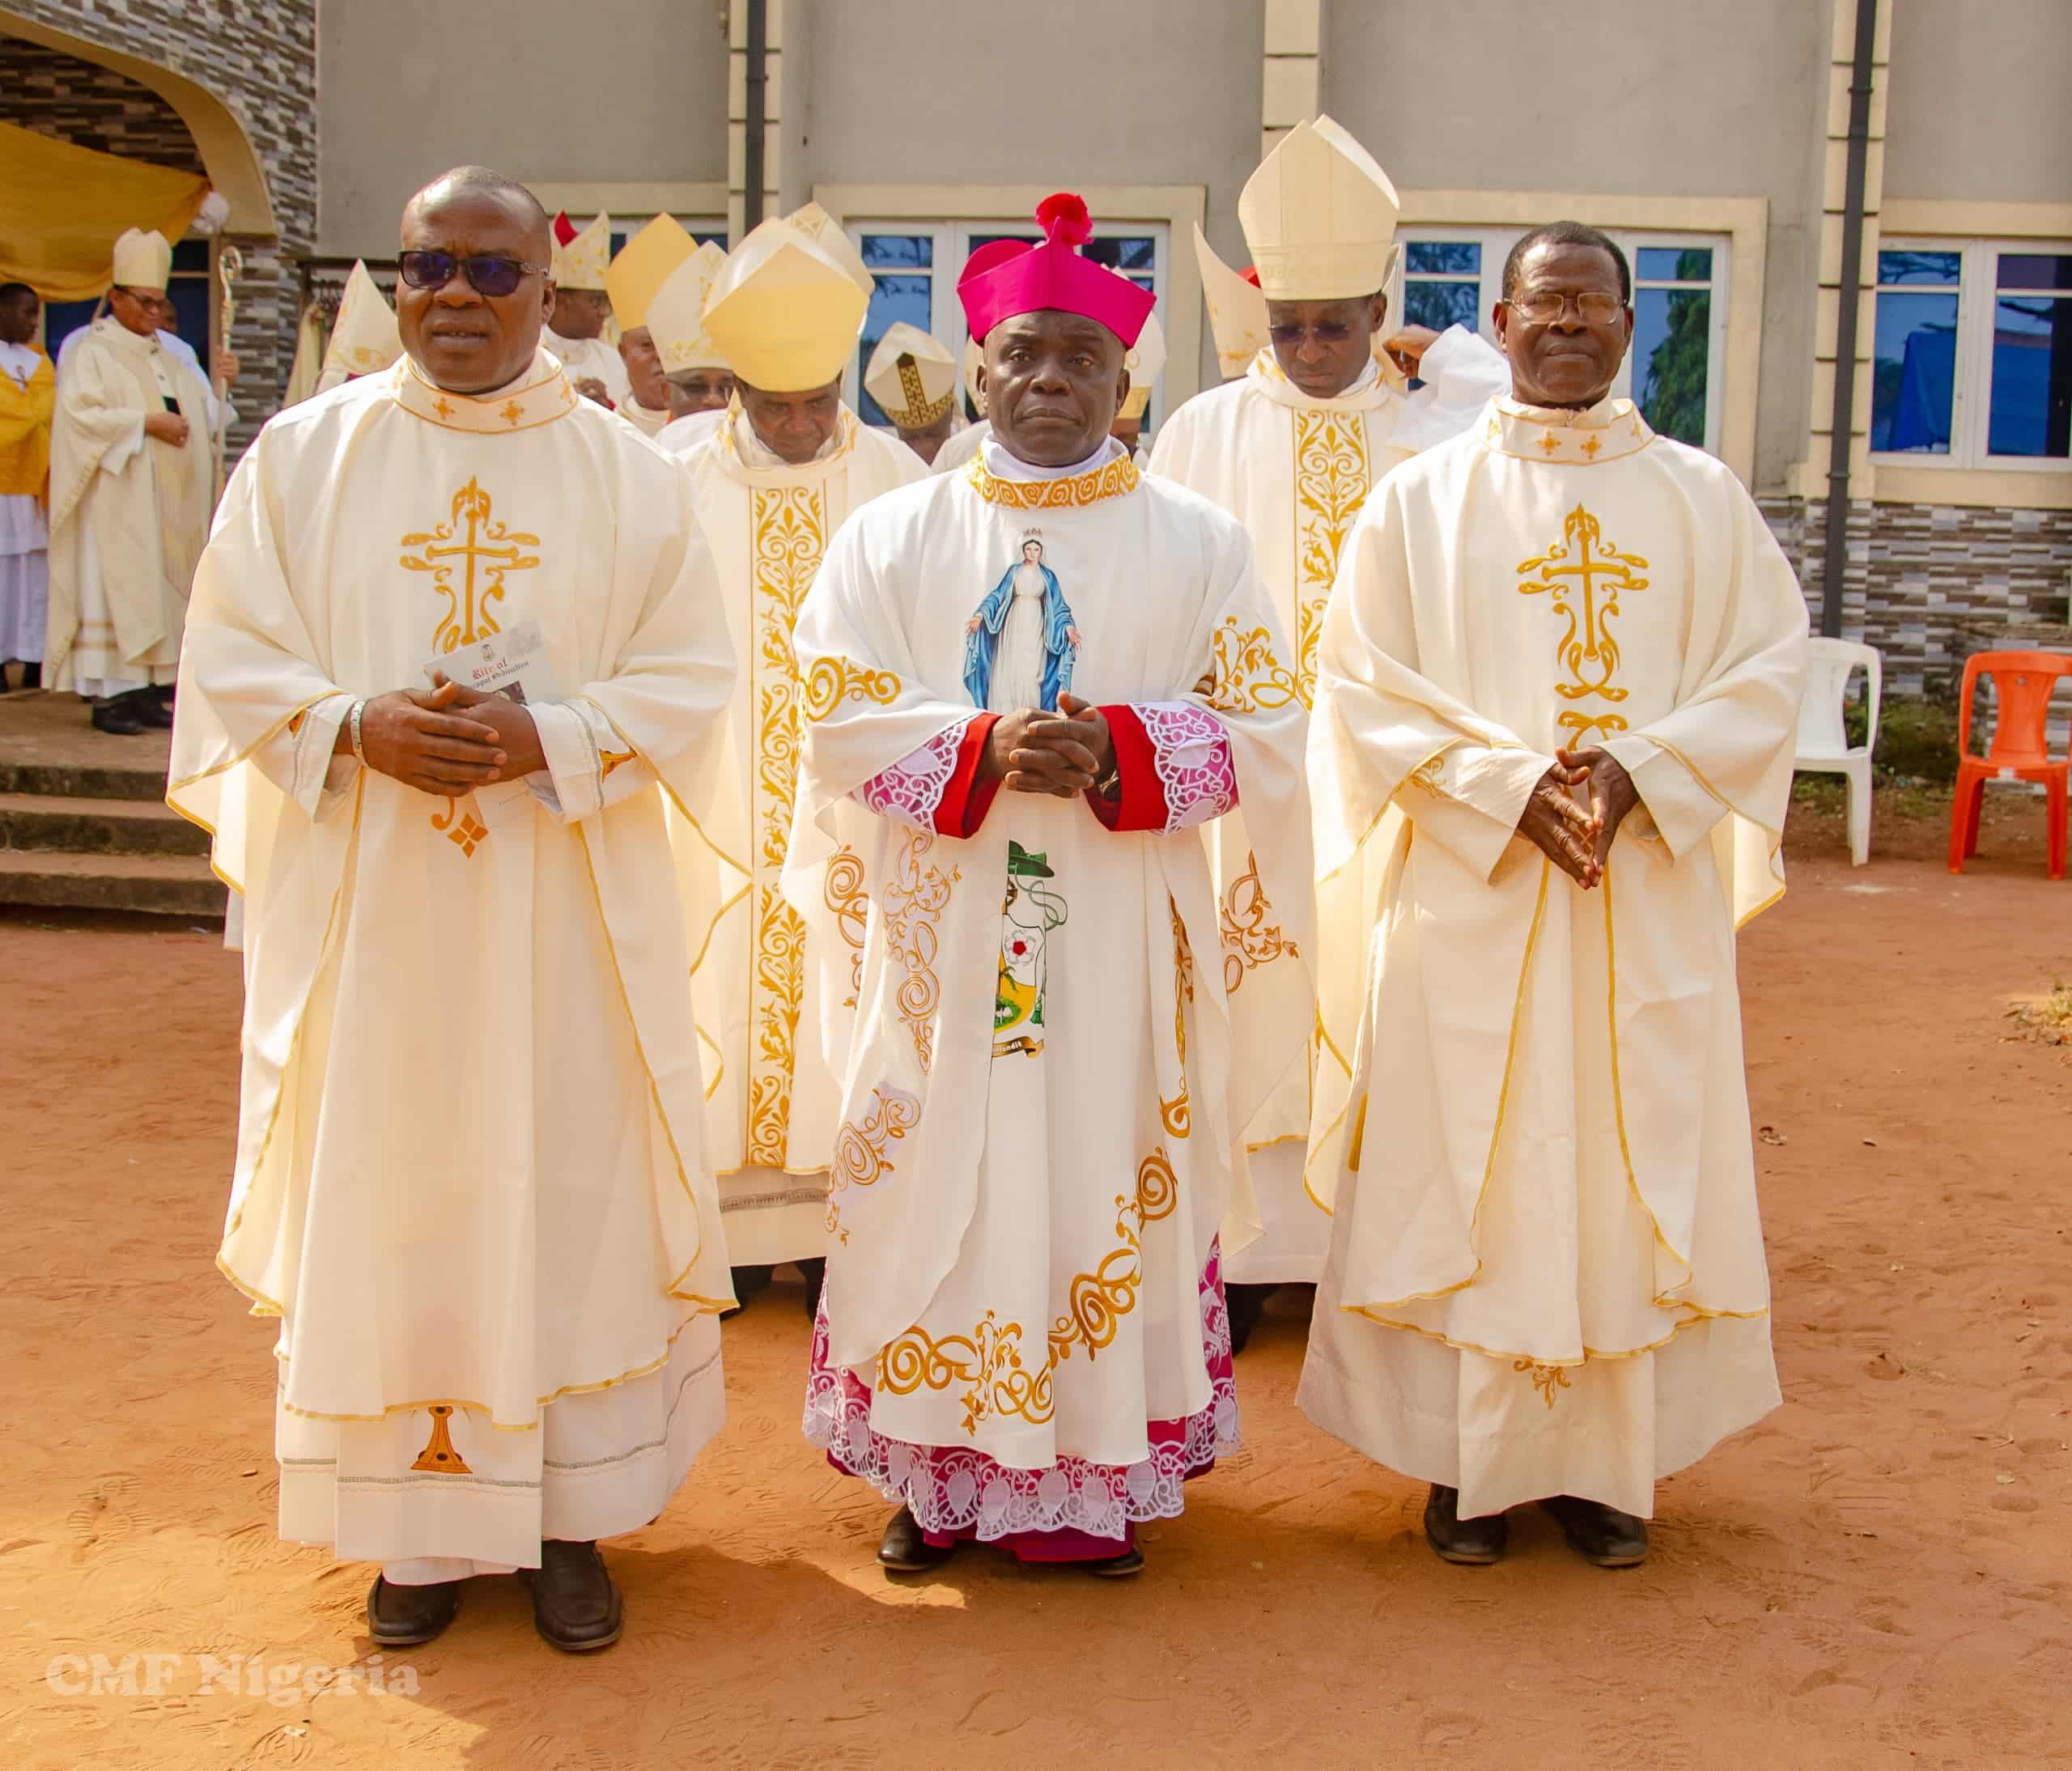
403 1617
1120 1567
1598 1533
903 1550
576 1604
1473 1543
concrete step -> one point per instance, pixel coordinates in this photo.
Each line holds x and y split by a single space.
48 821
163 885
117 778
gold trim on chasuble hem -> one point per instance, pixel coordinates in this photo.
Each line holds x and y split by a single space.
1111 480
860 1150
1587 650
524 409
989 1359
788 535
1333 475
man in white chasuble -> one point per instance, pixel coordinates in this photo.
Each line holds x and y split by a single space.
1029 687
774 474
1292 449
470 1180
1556 689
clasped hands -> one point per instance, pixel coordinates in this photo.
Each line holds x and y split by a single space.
1063 753
1576 841
445 739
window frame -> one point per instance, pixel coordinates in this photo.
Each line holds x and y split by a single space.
1971 388
1497 242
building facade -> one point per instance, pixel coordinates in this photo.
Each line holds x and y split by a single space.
1711 141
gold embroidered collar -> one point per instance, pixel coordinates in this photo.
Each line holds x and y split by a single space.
1111 479
1604 432
540 396
781 472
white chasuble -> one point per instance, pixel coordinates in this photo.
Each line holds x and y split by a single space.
1043 1102
471 1177
1296 471
128 512
770 1116
1546 1273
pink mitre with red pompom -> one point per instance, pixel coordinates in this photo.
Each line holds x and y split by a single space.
1011 277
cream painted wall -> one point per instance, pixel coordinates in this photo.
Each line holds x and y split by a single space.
1610 96
1069 92
601 91
1980 109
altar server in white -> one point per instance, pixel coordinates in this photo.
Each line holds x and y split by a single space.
1029 686
1556 691
1292 450
470 1180
775 475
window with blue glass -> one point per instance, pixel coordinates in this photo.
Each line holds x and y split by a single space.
1442 283
1670 356
1972 361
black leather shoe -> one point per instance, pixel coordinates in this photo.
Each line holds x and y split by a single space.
904 1551
576 1604
151 709
1598 1533
814 1272
1246 1304
1473 1543
117 719
403 1617
1120 1567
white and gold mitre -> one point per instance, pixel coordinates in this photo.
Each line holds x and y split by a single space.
581 263
642 265
1144 360
143 260
1237 310
913 378
826 232
1319 216
675 314
975 360
364 340
786 309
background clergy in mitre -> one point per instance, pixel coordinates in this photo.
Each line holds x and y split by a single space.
130 490
913 380
364 339
1031 685
1145 362
1291 449
469 1179
700 384
964 444
640 268
774 476
582 307
1557 690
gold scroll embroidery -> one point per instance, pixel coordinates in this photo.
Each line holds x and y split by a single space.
1176 1115
1331 480
1582 575
842 892
859 1149
1250 940
831 680
1118 477
463 829
788 533
913 903
1248 678
485 548
439 1454
1546 1379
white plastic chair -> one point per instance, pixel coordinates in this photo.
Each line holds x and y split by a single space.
1823 747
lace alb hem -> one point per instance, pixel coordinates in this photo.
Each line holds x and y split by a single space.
955 1489
910 792
1192 753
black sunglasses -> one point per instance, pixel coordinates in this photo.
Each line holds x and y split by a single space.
487 274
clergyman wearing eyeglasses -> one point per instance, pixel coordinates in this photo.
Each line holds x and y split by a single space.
130 482
1556 691
480 1210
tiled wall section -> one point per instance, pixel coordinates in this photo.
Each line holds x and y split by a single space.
1915 571
59 94
259 57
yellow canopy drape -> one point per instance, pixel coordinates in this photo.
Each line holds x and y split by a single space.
65 206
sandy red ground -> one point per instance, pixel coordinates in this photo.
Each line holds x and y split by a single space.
1879 1574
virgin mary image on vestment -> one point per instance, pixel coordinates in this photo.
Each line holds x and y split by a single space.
1019 647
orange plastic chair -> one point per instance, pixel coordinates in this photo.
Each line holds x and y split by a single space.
2022 683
